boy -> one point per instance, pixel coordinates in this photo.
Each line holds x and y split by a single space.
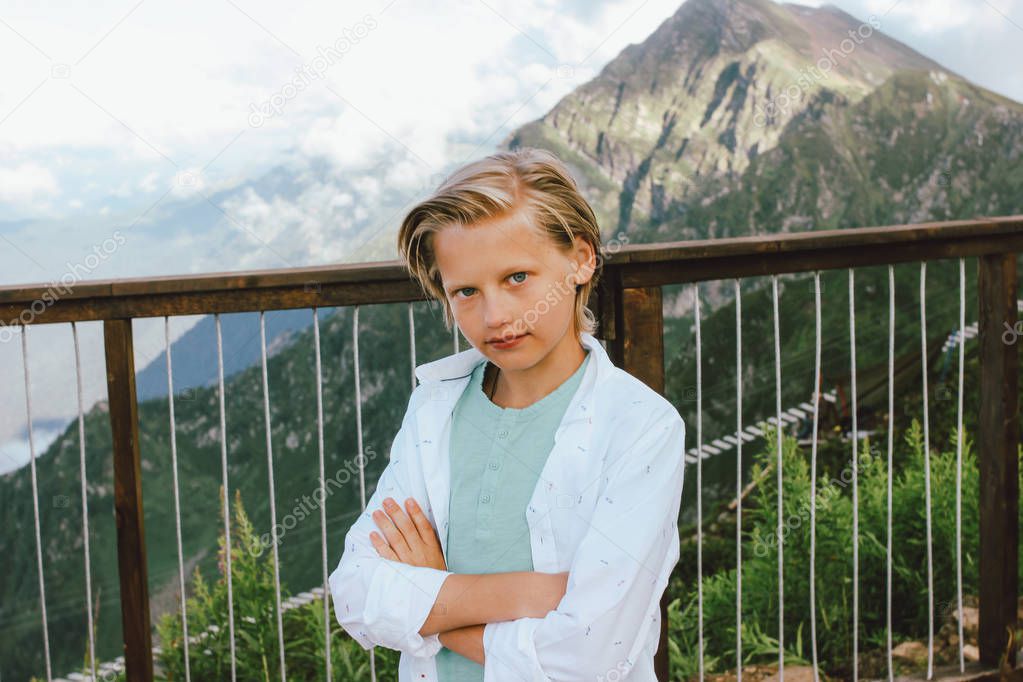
525 525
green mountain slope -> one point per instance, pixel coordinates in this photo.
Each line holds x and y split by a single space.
921 147
746 116
385 386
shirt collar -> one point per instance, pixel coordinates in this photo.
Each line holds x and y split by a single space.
461 364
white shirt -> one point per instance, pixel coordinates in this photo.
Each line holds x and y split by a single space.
605 509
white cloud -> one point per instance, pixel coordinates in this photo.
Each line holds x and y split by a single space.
26 182
148 183
149 96
116 104
928 16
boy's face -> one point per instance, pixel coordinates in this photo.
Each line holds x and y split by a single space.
504 279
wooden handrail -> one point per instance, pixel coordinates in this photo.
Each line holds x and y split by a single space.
628 266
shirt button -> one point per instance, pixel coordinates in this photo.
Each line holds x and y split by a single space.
485 499
494 465
503 433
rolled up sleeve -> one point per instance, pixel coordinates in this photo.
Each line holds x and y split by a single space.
618 574
380 602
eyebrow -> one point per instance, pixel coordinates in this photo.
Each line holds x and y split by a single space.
510 271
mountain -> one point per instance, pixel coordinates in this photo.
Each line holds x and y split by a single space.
194 354
697 132
744 116
385 386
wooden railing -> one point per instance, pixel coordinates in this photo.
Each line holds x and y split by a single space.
628 304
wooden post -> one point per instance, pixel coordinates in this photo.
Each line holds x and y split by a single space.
131 534
997 440
638 348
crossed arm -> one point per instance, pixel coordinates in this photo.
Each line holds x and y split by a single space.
392 588
466 602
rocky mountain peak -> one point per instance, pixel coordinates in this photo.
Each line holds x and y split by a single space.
716 85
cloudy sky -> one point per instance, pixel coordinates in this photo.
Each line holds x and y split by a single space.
112 112
140 131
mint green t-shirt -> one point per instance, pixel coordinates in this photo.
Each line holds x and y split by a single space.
497 454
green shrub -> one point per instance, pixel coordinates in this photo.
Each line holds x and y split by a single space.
834 560
255 625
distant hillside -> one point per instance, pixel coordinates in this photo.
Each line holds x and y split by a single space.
194 355
386 385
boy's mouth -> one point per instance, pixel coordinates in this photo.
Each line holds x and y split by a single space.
506 341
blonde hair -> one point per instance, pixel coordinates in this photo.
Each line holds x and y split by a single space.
499 184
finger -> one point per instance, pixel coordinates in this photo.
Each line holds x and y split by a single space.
401 520
408 530
381 546
394 537
423 525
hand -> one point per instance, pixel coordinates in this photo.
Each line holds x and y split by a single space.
410 538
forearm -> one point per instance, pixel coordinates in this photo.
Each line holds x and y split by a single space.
477 599
467 641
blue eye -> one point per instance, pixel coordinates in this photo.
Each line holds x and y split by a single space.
461 292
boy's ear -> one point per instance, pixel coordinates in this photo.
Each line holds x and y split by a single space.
585 266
